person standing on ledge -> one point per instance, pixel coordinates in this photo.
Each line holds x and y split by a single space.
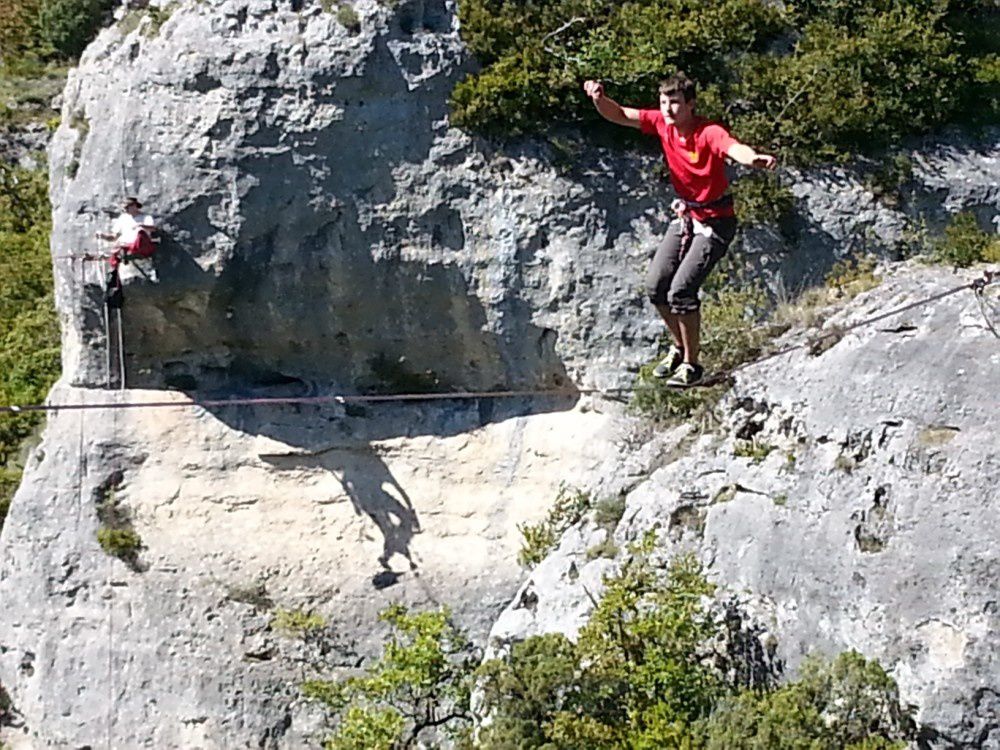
695 150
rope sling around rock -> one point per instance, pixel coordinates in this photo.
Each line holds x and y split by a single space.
978 286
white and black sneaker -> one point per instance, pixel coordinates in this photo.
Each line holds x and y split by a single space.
687 375
666 366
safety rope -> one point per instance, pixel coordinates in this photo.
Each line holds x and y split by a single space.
984 304
978 285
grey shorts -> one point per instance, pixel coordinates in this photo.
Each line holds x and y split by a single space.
674 280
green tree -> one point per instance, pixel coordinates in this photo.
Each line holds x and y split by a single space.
820 79
420 686
851 704
29 333
636 676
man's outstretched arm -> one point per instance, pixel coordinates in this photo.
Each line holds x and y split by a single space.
608 108
742 153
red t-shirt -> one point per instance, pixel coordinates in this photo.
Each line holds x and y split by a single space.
697 163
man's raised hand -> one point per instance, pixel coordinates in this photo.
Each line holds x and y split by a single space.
764 161
594 89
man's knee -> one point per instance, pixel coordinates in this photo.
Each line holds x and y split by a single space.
683 300
657 290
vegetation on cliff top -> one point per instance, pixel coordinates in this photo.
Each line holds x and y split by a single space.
815 80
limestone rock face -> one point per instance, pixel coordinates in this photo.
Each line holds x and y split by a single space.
326 230
864 518
321 218
243 512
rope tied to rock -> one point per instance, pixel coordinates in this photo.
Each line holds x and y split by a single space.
979 287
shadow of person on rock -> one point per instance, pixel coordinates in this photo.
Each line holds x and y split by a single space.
374 491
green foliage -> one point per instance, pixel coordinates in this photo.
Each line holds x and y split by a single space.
851 703
150 19
541 537
115 535
755 450
852 275
639 676
29 332
850 88
964 243
421 685
643 673
296 622
609 511
888 180
817 81
65 27
121 543
27 90
634 678
32 30
349 18
761 199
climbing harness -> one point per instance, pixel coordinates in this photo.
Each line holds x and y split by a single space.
690 226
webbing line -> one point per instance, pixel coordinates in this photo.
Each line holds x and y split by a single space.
978 285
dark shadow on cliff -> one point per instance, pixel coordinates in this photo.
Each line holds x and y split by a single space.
373 492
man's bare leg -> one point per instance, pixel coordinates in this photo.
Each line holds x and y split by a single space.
672 324
690 335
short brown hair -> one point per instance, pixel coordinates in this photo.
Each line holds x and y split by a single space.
678 83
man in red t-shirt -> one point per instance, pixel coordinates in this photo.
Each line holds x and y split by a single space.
695 150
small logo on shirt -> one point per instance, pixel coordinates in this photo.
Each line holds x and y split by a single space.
693 155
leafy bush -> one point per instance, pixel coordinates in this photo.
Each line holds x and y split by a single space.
820 80
851 704
65 27
640 676
964 243
121 543
609 511
349 18
541 537
761 199
852 275
421 685
49 29
753 449
116 535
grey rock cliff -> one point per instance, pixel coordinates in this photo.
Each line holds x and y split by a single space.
322 221
869 524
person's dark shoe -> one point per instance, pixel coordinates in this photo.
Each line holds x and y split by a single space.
666 366
687 375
